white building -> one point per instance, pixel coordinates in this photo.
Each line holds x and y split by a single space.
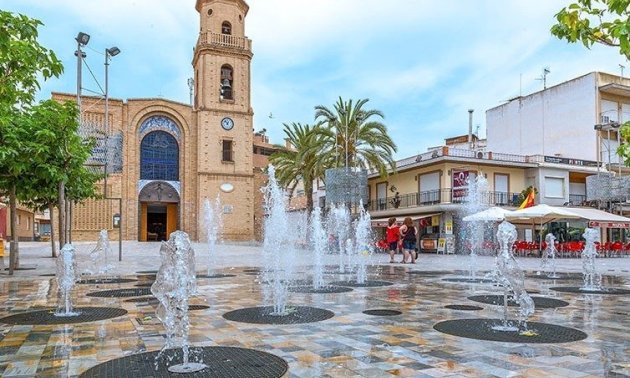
560 121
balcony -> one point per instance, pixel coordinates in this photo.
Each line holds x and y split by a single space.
441 196
224 40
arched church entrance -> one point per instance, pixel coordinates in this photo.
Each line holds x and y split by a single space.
159 208
159 181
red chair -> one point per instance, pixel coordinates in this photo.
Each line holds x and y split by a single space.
616 248
574 248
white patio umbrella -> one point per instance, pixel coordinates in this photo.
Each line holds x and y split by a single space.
493 214
540 214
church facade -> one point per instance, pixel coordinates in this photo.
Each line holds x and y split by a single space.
165 158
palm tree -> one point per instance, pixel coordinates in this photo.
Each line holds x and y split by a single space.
298 164
348 138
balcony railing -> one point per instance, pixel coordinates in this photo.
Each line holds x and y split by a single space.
488 155
434 197
224 40
577 199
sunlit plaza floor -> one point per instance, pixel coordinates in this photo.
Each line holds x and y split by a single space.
350 344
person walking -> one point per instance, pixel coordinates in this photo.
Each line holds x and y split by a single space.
409 236
392 235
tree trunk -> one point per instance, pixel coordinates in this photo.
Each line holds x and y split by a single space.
308 190
70 205
52 231
13 249
62 214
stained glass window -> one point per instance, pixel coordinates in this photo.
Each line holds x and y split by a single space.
159 157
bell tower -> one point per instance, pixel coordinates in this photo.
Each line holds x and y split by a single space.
221 61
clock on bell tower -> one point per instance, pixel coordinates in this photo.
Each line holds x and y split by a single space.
221 61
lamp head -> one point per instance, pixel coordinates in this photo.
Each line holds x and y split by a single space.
113 51
83 38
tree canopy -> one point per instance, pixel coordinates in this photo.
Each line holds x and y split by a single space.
350 137
605 22
299 164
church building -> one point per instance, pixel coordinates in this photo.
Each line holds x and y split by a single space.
165 158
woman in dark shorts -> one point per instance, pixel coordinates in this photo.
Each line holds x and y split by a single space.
393 235
409 236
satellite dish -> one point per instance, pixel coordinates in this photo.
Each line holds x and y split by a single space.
227 187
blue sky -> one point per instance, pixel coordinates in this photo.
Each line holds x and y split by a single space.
424 63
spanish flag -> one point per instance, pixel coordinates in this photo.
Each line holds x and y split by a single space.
529 200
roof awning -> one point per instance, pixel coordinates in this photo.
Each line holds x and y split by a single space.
383 222
599 218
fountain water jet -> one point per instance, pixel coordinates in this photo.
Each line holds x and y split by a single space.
339 224
66 267
362 244
592 279
213 222
99 256
549 253
277 245
319 240
175 282
511 277
474 231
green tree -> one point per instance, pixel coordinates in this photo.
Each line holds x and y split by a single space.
347 136
57 159
624 149
605 22
22 61
299 164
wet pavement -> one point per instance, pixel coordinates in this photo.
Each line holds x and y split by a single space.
350 344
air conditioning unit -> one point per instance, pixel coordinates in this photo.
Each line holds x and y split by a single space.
481 155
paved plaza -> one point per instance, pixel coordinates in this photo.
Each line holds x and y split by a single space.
349 344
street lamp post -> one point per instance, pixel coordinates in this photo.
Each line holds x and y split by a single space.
110 52
82 40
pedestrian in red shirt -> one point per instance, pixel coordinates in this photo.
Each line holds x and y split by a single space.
393 235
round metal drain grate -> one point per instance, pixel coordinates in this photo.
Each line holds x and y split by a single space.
321 290
147 277
481 329
382 312
223 362
143 299
539 302
147 272
121 293
94 281
557 277
262 315
218 275
367 283
195 307
463 307
47 317
428 273
469 280
606 290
